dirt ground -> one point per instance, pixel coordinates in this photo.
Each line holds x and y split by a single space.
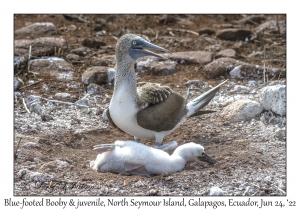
251 160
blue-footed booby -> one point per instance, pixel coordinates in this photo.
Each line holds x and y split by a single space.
132 158
147 110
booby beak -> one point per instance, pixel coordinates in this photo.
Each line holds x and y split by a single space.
206 158
137 51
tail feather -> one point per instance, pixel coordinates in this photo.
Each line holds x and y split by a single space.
202 100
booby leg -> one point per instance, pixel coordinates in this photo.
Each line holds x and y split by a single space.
137 139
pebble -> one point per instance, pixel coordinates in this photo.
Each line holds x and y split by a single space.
242 110
83 102
274 98
216 191
62 95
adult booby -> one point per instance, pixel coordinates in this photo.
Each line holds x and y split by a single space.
132 158
147 110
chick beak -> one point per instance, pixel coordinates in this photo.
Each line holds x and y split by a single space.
205 158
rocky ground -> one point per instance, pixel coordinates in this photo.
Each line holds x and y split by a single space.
64 73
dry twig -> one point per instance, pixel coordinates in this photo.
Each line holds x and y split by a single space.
30 84
25 106
183 30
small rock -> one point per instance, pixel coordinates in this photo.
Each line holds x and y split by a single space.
229 53
242 110
271 27
280 133
96 74
46 117
234 34
44 46
197 83
22 172
32 99
36 108
62 95
52 166
54 67
221 67
39 28
83 102
240 89
274 98
152 192
73 58
155 66
207 31
17 83
38 177
94 89
216 191
191 57
103 191
82 51
19 61
93 43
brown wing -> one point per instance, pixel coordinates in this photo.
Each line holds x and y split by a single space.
151 93
163 116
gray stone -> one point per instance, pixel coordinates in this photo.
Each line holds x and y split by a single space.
94 89
221 67
17 83
62 95
255 71
216 191
273 98
39 28
242 110
83 102
207 31
240 89
54 67
44 46
229 53
19 61
22 172
97 75
155 66
36 108
234 34
280 133
191 57
82 51
73 58
93 43
32 99
271 27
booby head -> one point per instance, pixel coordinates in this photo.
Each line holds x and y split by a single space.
137 47
194 152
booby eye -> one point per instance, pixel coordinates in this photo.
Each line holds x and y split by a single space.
134 42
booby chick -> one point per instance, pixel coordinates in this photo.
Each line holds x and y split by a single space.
132 158
147 110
